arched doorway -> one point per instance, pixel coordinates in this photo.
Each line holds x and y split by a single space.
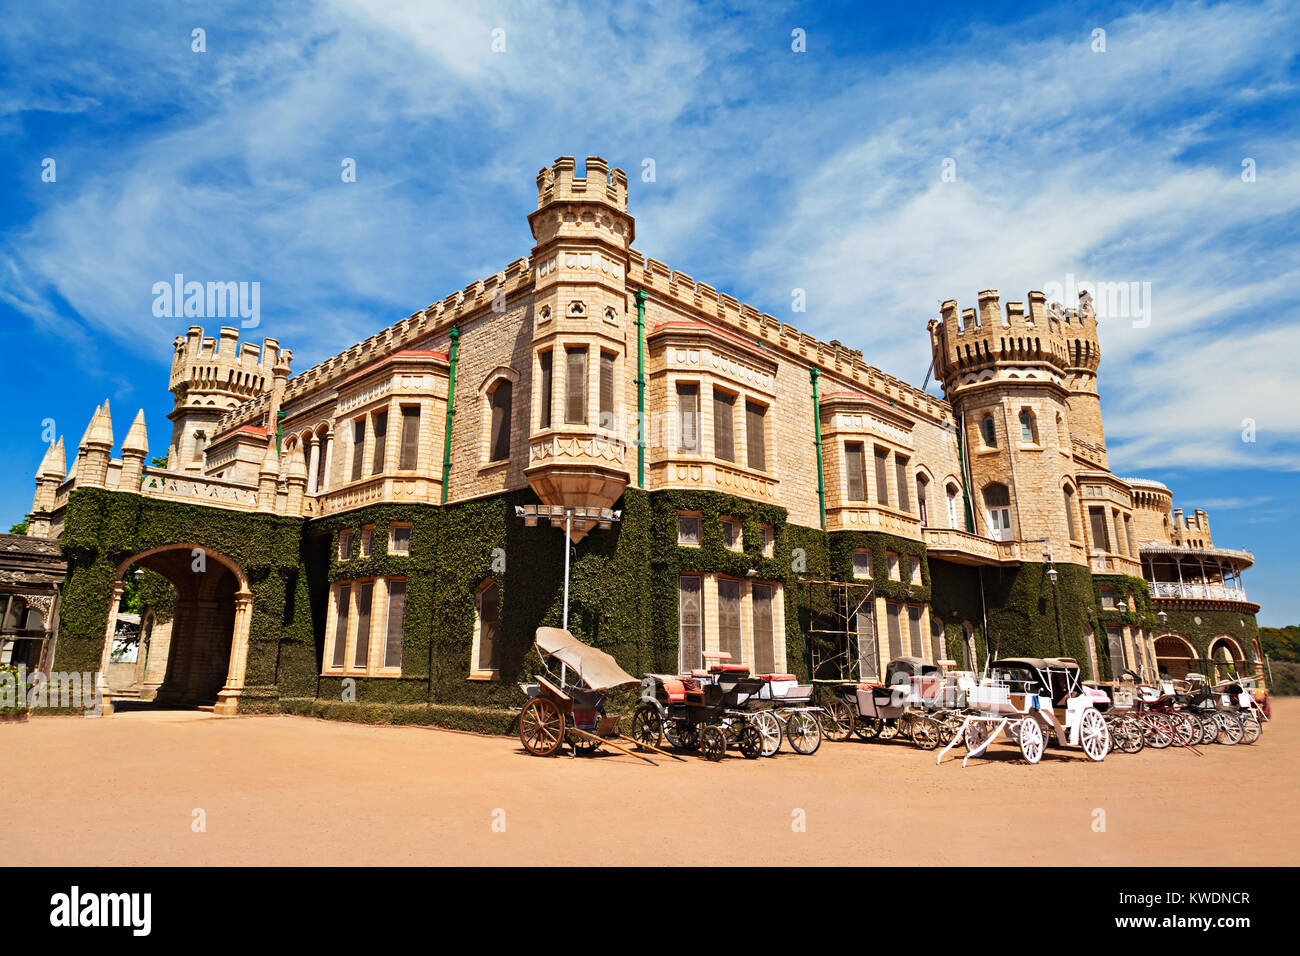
1227 658
1175 656
209 628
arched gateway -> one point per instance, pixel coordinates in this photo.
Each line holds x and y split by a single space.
209 637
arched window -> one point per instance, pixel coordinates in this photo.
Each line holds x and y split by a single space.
954 506
1060 431
1028 427
487 630
923 499
502 398
997 506
988 432
1070 526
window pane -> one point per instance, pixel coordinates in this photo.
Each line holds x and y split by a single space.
724 406
410 459
575 405
547 385
1069 514
401 540
894 613
938 645
900 476
688 530
861 564
755 442
1100 539
922 500
914 626
690 617
882 476
364 595
381 441
502 401
764 639
864 623
688 417
396 623
853 469
342 599
729 618
606 390
1026 427
358 448
489 617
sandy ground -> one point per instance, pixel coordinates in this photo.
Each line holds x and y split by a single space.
291 791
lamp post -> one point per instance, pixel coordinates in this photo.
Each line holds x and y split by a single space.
1052 575
561 517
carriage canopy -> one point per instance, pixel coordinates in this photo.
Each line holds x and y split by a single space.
597 669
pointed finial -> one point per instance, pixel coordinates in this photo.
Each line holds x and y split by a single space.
137 439
271 460
55 463
297 464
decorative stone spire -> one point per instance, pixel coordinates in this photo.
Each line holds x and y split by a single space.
95 449
297 482
55 463
268 478
49 476
134 450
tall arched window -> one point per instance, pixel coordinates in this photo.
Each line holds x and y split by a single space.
502 398
487 630
997 506
923 499
1028 427
1070 527
954 506
988 432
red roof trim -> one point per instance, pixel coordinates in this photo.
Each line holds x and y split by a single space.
405 353
692 324
251 429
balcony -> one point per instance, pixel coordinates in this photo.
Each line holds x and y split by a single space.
962 547
1208 591
1114 564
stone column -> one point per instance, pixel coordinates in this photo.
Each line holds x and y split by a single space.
329 461
115 601
228 699
313 466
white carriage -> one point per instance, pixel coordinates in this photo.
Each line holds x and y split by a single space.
1028 698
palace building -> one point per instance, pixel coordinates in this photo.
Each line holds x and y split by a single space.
387 527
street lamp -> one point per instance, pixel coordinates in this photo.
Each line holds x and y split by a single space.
1161 616
1052 575
567 518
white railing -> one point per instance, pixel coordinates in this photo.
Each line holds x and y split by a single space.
1207 592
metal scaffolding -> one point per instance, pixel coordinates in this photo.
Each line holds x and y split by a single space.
839 625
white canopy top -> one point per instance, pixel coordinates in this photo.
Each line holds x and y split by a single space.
597 669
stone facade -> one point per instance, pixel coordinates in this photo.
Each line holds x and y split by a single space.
541 365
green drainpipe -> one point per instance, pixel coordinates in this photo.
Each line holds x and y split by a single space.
640 295
279 430
817 425
451 410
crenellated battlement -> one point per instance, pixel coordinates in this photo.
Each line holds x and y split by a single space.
559 182
201 363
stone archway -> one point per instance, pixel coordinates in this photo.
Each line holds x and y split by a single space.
1226 655
1175 656
208 651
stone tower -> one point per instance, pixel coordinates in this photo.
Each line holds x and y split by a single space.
210 378
581 323
1079 330
1012 378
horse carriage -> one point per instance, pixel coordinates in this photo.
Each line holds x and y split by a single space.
917 701
569 706
724 705
1029 698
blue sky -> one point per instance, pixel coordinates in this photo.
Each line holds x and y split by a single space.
774 170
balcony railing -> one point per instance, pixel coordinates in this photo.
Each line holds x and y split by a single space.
1203 592
983 550
1114 564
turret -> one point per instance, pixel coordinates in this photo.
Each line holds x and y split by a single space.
135 448
96 449
51 473
268 478
296 481
1079 331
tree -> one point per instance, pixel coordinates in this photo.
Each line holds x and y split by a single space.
19 528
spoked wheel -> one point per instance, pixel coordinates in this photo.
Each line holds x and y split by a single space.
949 726
1251 729
769 727
682 735
1156 731
541 727
1186 732
1126 734
867 727
888 729
1209 728
804 733
1230 729
1031 740
582 746
925 733
837 721
751 742
975 734
1094 735
647 725
713 743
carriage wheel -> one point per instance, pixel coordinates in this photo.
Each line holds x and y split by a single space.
888 729
751 742
541 727
1156 731
867 727
1031 740
683 736
803 732
1209 729
1250 729
837 721
925 733
975 733
1126 734
1186 732
713 743
647 725
1094 735
1230 729
769 727
582 746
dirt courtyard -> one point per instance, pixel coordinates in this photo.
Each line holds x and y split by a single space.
133 788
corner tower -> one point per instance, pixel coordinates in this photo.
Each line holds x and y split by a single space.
208 379
578 456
